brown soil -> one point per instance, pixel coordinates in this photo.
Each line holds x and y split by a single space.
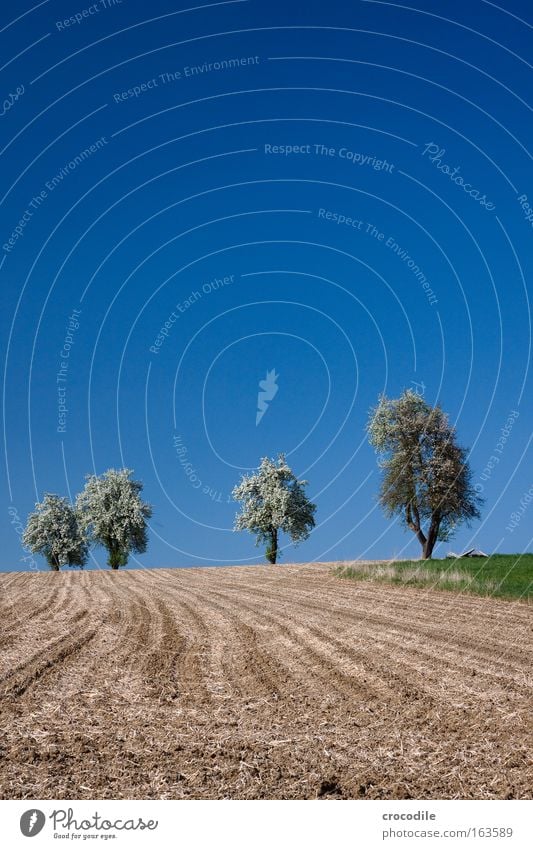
259 682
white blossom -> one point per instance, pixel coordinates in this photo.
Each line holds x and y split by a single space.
274 500
114 515
54 531
427 479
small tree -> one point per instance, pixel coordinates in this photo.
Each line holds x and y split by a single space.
427 479
273 500
54 531
114 515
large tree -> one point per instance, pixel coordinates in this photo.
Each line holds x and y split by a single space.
427 479
54 531
274 500
114 515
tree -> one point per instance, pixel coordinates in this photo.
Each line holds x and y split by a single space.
114 515
427 479
54 531
273 500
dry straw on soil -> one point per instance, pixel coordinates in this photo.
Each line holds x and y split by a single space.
259 682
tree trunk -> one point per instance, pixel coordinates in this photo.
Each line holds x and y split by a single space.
53 562
421 539
272 549
429 545
413 522
114 558
427 550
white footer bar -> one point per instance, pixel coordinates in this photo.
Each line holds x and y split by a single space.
320 824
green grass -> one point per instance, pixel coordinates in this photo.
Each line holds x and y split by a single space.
502 575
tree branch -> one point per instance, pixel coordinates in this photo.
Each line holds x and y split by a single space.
414 525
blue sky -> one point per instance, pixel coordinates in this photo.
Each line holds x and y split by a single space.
193 197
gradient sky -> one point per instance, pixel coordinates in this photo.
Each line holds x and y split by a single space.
147 179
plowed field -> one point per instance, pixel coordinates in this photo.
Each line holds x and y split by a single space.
259 682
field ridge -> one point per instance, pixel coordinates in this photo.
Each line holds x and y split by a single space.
260 682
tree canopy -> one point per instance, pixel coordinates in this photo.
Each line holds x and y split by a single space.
54 531
114 515
427 479
274 500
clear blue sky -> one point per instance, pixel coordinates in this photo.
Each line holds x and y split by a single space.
194 197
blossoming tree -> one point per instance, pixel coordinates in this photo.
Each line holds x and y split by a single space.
114 515
427 479
274 500
54 531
